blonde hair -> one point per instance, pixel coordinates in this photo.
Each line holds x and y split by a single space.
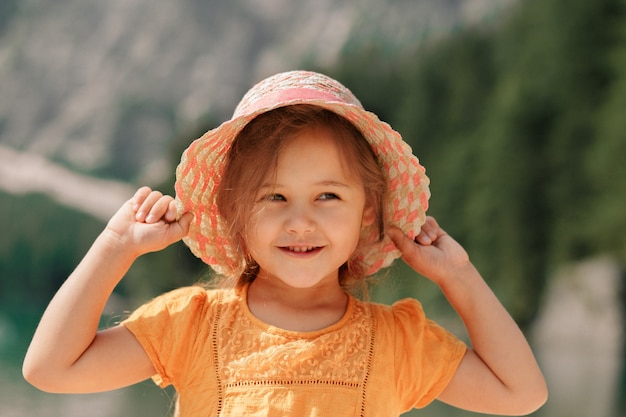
255 152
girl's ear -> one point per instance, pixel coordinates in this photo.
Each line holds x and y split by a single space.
369 216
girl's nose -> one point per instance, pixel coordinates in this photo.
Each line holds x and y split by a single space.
299 220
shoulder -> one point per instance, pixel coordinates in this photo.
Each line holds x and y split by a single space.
406 322
405 310
191 299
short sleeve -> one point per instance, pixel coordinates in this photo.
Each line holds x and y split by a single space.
426 355
167 328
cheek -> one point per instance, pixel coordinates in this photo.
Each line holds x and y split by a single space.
256 228
348 226
254 218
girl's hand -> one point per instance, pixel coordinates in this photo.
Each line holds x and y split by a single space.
147 222
433 253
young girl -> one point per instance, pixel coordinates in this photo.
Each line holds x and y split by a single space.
294 202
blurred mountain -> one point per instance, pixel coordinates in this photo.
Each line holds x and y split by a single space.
103 87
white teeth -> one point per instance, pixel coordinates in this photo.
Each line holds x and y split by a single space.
300 248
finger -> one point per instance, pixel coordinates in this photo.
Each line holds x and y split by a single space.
430 227
424 238
159 209
179 229
147 204
140 196
426 235
172 212
430 232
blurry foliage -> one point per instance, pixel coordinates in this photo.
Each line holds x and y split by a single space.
40 245
520 126
521 129
141 132
42 242
8 9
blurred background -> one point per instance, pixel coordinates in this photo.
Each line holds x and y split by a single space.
516 108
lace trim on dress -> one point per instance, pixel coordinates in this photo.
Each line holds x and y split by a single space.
248 355
370 358
215 347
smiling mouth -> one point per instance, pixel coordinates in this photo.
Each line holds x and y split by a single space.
301 249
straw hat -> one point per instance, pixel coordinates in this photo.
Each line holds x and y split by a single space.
200 171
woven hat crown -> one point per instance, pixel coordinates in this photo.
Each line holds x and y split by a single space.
280 89
199 173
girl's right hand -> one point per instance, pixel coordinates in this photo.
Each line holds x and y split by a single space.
147 222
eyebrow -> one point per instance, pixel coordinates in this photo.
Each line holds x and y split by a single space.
326 183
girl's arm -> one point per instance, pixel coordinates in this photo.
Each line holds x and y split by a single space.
499 374
67 353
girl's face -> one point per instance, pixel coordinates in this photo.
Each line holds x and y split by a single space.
307 218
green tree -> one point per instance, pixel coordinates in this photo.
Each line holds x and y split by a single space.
519 124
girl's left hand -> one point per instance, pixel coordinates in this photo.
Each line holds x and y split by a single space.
433 253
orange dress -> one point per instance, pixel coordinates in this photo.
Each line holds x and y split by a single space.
377 360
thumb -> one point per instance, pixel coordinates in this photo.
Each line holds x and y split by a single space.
399 239
184 222
405 245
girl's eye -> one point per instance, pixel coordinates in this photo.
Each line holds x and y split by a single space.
328 196
274 197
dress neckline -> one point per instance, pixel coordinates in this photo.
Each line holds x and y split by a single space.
243 299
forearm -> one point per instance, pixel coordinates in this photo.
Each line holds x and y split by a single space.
494 336
70 322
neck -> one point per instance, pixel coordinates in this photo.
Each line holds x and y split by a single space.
297 309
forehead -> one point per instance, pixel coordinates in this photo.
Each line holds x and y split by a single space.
318 147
